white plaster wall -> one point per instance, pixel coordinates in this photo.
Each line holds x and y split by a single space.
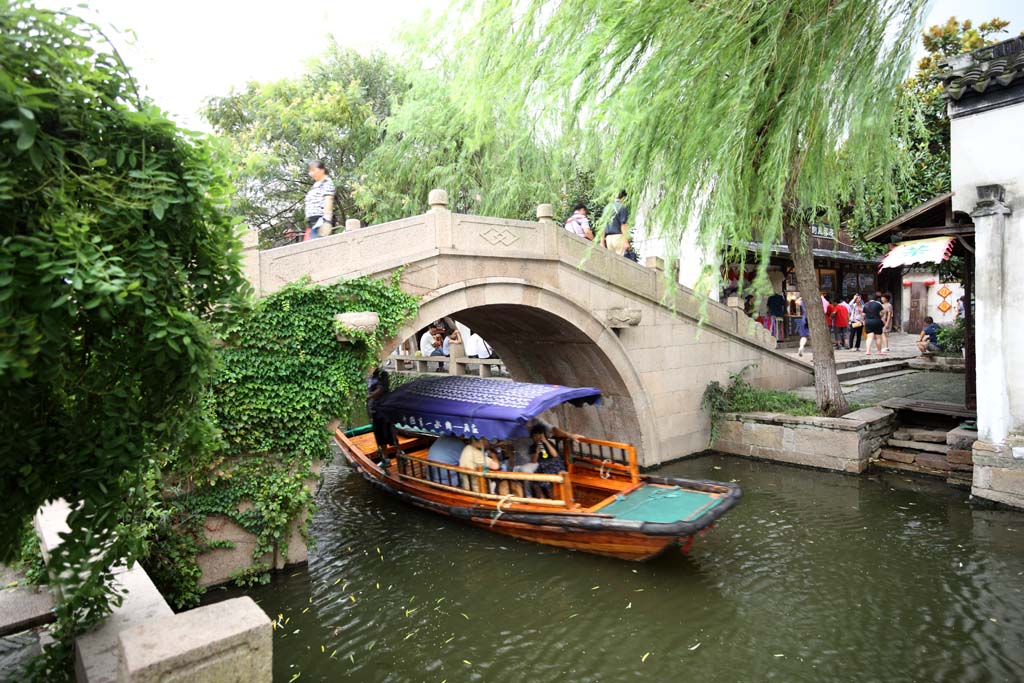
988 149
934 299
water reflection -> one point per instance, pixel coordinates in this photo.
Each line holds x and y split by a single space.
814 576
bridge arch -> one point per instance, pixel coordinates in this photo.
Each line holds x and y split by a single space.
543 336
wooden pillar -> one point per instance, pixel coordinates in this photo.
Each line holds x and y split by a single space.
970 367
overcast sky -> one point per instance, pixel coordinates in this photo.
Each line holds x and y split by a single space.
188 50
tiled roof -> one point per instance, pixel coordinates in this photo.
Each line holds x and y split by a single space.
985 69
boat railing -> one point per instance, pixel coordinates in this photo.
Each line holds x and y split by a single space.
496 485
607 459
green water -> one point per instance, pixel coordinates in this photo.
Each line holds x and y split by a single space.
813 577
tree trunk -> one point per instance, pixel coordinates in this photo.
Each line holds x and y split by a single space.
828 392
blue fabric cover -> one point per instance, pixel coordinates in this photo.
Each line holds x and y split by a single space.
474 407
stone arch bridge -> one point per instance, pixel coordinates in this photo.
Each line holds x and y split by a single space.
558 311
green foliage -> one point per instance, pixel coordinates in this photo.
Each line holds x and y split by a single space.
281 376
951 337
740 397
433 141
115 252
332 112
920 136
30 558
731 113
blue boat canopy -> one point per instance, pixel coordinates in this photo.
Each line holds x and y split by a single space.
475 407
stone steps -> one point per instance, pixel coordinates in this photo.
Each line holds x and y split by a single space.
874 378
939 448
870 368
920 434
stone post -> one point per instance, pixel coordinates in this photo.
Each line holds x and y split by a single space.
655 262
998 453
438 201
441 217
546 214
352 224
990 226
251 258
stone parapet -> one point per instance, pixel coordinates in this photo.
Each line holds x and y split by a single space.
229 641
226 642
844 444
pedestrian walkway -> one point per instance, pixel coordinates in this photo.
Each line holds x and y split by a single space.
901 346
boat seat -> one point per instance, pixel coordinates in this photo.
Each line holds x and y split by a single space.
596 482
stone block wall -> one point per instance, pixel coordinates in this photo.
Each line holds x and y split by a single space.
844 444
143 640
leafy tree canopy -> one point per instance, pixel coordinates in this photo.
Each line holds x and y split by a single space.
333 112
727 112
921 128
116 249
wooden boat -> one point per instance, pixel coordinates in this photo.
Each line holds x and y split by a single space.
601 504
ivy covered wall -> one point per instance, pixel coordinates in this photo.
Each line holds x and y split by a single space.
280 376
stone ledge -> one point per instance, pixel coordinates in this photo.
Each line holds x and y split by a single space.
845 423
838 444
225 641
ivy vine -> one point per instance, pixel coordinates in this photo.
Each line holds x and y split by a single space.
281 375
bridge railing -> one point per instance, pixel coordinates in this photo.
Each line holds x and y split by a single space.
421 365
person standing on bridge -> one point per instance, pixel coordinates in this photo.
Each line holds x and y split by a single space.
616 228
578 223
319 203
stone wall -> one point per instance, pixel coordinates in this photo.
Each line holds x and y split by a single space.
144 641
219 565
844 444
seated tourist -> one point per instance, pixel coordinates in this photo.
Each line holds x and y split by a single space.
928 340
545 455
475 456
447 450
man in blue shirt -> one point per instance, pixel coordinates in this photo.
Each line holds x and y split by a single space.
616 230
928 340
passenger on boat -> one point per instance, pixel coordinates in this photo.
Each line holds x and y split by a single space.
524 446
447 450
377 386
544 453
475 456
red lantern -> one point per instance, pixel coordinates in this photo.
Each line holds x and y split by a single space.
906 284
929 282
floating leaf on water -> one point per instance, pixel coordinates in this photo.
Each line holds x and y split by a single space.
779 655
639 590
993 620
594 588
295 677
296 631
449 640
323 649
573 616
716 467
629 606
333 652
352 658
378 586
464 615
468 662
644 658
439 600
336 581
305 610
694 647
352 598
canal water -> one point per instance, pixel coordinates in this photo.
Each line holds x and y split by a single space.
812 577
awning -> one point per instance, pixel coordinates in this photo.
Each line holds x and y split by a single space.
475 407
931 250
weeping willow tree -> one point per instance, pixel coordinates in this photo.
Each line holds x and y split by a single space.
742 120
501 164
